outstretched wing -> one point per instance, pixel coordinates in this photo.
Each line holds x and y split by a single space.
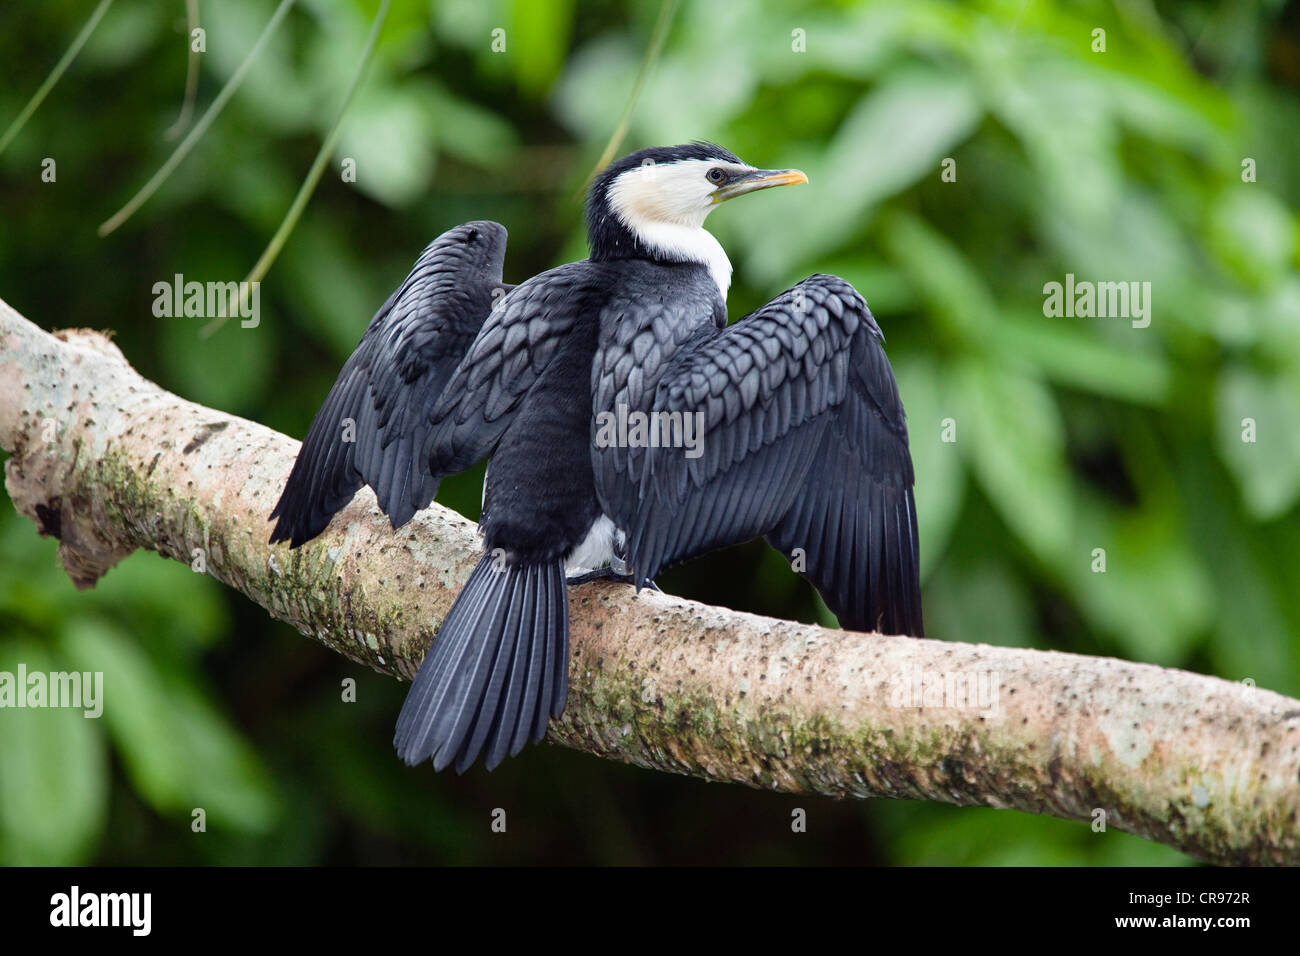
517 344
372 424
801 437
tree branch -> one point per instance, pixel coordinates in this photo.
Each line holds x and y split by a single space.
107 462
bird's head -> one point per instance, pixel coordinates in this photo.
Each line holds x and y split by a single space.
652 203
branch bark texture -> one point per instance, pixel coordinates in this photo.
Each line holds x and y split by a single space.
107 462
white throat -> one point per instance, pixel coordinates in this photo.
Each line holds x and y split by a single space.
687 244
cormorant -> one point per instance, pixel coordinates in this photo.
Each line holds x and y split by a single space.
629 428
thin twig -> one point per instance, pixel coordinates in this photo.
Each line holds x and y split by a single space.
201 127
69 55
657 38
272 250
191 71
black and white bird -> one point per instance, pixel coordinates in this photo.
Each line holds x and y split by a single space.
629 428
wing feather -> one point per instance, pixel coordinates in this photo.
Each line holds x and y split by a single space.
804 441
370 427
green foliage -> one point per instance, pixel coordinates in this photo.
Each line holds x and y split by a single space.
1071 434
54 789
143 628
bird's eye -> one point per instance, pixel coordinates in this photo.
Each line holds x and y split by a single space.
716 176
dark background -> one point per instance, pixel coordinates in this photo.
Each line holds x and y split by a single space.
1072 434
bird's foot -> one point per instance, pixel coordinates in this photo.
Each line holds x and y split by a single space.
601 574
608 574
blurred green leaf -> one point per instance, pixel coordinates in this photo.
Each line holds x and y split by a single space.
537 40
471 133
53 774
1010 429
338 298
1253 233
897 134
228 371
1278 314
1255 612
1259 439
1068 354
271 90
983 603
391 134
123 36
980 836
224 776
135 710
944 279
1067 132
1194 122
940 471
469 23
595 86
161 600
1150 594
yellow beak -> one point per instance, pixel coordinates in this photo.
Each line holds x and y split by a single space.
758 179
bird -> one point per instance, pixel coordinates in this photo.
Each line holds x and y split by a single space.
627 426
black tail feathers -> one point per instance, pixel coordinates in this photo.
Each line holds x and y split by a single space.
497 672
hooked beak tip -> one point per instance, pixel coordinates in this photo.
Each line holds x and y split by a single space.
789 177
760 179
